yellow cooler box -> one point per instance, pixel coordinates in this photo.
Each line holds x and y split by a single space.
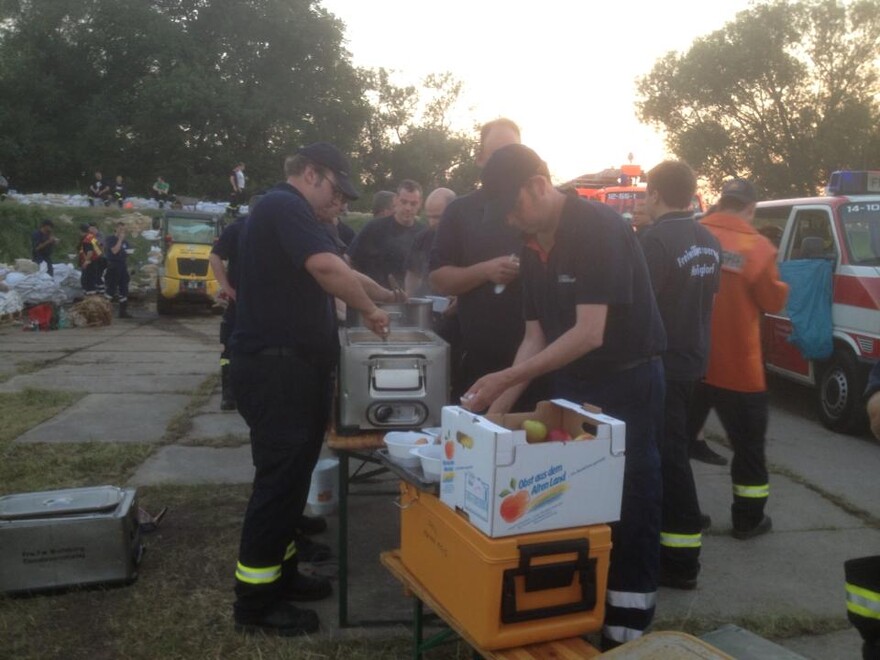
506 591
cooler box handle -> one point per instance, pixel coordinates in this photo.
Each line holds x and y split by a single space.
550 576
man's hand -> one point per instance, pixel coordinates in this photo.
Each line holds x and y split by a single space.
501 270
483 393
377 321
228 292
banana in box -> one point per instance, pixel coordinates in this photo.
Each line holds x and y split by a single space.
508 485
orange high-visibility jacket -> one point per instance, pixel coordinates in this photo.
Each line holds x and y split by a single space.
750 285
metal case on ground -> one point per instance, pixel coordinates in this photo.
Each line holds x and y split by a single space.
510 591
62 538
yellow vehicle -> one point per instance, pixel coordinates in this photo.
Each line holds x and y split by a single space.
184 274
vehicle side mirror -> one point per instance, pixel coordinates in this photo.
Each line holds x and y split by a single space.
157 222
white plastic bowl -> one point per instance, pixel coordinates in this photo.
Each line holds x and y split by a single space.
400 443
431 457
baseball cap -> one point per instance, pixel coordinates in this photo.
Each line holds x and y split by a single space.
325 154
740 189
505 173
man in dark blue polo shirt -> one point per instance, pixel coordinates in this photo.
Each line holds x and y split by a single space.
43 241
684 260
117 249
381 247
284 349
591 318
226 249
477 262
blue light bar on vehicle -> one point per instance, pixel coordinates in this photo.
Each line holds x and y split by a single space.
852 182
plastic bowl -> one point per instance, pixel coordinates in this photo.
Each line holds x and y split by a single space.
431 457
400 443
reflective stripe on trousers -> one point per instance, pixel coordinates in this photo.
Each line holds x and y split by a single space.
862 602
670 540
252 575
751 491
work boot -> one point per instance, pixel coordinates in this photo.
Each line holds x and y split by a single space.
123 310
701 451
302 588
675 581
761 528
311 551
283 619
227 400
311 524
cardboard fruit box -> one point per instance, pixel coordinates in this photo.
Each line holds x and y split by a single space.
507 485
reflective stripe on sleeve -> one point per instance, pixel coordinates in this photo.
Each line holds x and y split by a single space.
224 362
681 540
257 575
756 492
631 599
621 634
862 602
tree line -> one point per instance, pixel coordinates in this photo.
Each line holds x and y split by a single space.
785 93
188 88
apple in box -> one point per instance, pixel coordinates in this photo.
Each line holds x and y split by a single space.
558 466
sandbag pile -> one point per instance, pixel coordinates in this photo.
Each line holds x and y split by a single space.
35 288
92 311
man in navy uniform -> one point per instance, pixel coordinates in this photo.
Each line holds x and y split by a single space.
592 322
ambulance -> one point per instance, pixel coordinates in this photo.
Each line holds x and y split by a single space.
844 228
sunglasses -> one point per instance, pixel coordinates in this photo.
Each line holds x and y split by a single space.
338 193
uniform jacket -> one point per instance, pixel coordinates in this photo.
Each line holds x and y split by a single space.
750 286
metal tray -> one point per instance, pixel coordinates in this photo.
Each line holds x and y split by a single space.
413 475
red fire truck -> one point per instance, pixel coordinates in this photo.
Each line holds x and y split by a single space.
843 227
620 189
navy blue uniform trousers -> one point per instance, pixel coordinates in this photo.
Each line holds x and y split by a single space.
636 397
744 416
285 401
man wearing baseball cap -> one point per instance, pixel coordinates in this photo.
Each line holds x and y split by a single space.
735 384
592 322
284 350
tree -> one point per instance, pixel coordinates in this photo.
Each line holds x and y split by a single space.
784 94
180 87
409 136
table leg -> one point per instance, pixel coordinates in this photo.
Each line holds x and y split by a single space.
417 628
343 539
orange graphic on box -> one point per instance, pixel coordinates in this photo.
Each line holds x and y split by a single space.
514 505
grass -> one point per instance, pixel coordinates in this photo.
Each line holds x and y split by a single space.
180 605
181 423
34 467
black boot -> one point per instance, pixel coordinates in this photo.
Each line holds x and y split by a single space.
123 310
227 400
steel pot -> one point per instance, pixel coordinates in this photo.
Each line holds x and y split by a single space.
414 313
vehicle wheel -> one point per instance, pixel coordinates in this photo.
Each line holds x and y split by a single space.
841 383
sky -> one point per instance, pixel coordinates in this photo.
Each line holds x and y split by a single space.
564 70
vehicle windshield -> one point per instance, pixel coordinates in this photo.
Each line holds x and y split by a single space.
191 230
861 224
